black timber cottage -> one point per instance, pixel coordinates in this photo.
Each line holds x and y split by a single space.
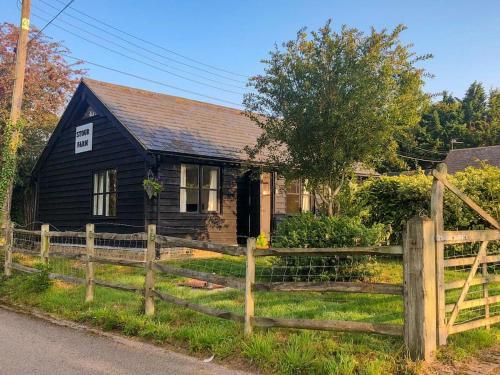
111 138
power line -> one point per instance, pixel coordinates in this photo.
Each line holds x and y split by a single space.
153 44
431 151
400 141
149 80
420 159
422 149
141 61
141 55
52 20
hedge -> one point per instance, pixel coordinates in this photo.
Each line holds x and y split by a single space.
393 200
306 230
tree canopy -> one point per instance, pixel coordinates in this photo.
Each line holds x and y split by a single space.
473 121
328 100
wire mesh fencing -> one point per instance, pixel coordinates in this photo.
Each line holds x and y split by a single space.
480 297
26 247
66 255
340 287
213 278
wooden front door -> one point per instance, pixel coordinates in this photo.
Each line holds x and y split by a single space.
248 207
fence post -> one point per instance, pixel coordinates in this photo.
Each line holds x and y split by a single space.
45 243
9 240
437 203
419 261
89 275
249 281
149 302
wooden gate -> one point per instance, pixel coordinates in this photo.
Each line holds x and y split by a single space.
467 276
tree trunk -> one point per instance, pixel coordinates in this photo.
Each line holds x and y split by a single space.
330 206
332 200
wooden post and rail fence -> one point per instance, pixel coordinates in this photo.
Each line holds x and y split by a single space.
423 291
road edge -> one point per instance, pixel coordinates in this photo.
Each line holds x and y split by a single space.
132 342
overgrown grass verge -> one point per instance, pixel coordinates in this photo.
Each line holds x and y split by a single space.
269 351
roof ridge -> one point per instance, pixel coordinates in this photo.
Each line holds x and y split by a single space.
86 80
473 148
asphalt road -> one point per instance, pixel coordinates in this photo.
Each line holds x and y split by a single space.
34 346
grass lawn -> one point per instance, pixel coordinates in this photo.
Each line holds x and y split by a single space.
270 351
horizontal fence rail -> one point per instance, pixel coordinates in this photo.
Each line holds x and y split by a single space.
466 236
330 325
321 251
200 245
338 286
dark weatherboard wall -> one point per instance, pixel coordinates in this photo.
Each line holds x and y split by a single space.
64 180
217 227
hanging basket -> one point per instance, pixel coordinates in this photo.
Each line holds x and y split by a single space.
149 191
152 187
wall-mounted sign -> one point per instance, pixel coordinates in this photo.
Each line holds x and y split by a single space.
83 138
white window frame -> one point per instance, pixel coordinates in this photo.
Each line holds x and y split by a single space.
305 197
101 193
213 190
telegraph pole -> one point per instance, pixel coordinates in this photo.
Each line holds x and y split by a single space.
17 92
17 97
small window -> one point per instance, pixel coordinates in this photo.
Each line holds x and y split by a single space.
89 113
199 188
298 199
189 188
104 193
209 189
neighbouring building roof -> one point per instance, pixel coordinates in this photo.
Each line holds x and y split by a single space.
362 170
458 160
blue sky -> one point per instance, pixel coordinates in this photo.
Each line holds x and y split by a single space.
463 36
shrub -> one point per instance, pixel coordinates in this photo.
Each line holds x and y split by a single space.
40 281
262 242
306 231
394 200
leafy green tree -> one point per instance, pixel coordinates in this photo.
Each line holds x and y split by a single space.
473 120
493 117
330 99
474 103
442 122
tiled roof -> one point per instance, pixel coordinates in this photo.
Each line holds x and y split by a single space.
168 123
458 160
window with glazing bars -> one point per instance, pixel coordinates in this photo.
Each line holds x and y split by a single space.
298 199
199 188
104 193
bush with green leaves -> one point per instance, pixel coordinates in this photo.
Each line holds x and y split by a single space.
40 281
306 230
393 200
